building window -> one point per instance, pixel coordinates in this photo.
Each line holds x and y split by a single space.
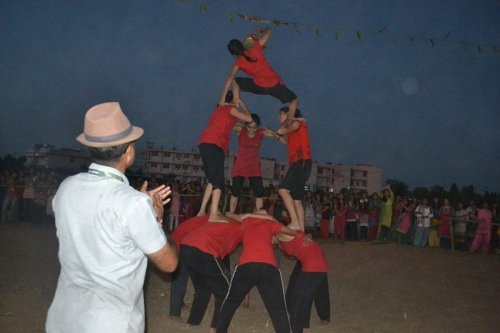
155 153
184 167
365 174
154 165
364 183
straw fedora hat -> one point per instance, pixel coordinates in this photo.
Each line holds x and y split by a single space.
106 125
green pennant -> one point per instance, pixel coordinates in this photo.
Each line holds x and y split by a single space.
318 33
296 27
360 35
203 8
383 29
337 34
230 17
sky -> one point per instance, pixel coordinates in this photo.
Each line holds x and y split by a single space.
402 85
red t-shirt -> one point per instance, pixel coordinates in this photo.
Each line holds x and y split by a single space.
311 257
247 162
299 147
186 227
262 73
257 241
220 125
215 238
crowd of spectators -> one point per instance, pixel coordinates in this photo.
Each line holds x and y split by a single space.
26 196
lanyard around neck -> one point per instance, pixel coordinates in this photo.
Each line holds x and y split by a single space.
105 174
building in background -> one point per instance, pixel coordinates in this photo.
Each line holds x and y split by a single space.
186 166
160 162
61 159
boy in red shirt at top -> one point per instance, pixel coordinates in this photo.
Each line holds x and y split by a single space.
213 145
257 266
263 79
294 133
308 281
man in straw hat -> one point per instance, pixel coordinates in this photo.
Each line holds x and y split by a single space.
106 232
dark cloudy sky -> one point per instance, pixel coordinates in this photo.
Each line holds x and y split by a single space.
426 115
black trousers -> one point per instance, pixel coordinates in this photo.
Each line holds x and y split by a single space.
267 278
303 289
209 276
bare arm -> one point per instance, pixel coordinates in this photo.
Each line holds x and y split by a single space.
270 133
227 84
165 259
264 35
241 115
288 127
287 231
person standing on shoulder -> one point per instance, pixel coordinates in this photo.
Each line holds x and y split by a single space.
247 164
213 145
107 230
294 133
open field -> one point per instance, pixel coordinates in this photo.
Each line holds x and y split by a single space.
373 288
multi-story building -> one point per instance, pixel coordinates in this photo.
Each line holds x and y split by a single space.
50 157
186 166
160 162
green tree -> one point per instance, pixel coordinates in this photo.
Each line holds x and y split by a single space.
398 187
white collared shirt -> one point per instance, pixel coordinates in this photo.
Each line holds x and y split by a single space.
105 227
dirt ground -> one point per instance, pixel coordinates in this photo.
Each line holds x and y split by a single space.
373 288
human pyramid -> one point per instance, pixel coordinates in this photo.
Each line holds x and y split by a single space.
108 230
206 240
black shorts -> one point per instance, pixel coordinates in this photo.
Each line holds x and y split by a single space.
212 157
279 91
296 177
255 184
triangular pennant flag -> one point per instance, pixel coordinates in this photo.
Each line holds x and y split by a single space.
411 39
479 48
337 34
360 35
432 41
464 46
230 17
446 37
318 33
202 7
383 29
296 27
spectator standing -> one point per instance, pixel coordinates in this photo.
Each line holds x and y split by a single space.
460 226
423 213
386 212
351 218
444 227
375 205
483 231
107 230
339 210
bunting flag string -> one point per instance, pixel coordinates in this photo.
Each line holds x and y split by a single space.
339 32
